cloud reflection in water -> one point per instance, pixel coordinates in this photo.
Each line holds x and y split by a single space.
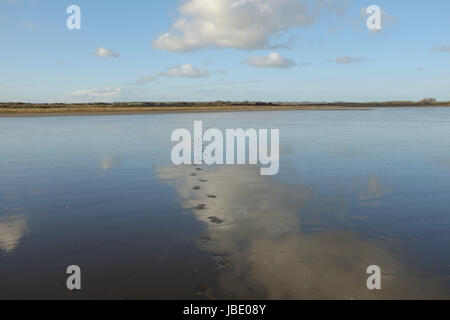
253 232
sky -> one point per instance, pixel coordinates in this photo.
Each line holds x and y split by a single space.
232 50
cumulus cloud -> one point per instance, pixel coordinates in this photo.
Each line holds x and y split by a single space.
240 24
273 60
97 93
185 71
349 60
442 49
105 53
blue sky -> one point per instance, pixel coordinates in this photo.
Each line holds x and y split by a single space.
269 50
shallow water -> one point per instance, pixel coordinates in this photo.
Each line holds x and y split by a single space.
355 188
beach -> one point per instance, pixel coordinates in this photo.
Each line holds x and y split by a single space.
354 189
30 110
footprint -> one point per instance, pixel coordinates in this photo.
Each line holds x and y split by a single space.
215 220
201 206
202 291
205 239
224 263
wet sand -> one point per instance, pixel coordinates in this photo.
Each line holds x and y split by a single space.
354 189
253 232
7 113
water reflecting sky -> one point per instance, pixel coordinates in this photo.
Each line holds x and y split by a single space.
355 188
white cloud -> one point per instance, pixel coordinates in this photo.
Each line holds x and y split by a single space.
185 71
143 80
240 24
97 93
273 60
105 53
181 71
349 60
442 49
27 25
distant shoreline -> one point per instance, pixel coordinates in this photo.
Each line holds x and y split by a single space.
34 110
